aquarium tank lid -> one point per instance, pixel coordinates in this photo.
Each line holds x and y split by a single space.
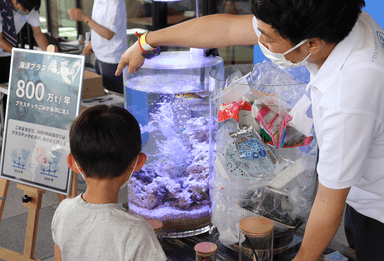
180 60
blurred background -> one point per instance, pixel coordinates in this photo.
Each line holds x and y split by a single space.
152 15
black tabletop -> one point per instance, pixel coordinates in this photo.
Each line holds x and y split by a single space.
182 249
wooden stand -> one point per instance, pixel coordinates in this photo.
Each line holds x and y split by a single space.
32 200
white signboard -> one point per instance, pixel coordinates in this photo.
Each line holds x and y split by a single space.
43 100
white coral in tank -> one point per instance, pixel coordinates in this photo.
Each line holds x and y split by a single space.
180 175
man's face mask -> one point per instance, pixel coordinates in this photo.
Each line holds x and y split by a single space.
279 58
125 184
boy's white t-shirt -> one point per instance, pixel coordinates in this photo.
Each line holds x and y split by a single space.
32 18
85 231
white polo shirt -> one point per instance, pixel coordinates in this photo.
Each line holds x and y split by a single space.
111 14
348 109
32 18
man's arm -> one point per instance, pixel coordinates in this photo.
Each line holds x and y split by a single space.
4 44
205 32
78 15
40 38
324 220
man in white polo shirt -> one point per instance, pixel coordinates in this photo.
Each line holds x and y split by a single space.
347 97
108 38
343 49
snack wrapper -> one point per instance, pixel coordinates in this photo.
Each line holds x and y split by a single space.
273 123
231 110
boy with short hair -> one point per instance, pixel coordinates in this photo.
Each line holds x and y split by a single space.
105 147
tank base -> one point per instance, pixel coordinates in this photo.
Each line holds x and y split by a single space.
177 223
182 234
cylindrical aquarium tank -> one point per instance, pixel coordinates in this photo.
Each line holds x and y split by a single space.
262 151
170 99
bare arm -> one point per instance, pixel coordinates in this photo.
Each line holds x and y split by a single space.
78 15
57 253
205 32
324 220
101 30
40 38
5 45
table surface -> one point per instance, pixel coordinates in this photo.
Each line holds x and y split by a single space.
183 249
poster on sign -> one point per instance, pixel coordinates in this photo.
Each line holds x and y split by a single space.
43 100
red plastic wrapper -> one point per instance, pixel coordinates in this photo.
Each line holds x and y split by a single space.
231 110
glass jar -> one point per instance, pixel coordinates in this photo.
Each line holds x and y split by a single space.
157 227
205 251
256 238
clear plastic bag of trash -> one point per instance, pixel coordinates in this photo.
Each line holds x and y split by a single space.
284 193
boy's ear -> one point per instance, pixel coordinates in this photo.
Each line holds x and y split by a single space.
140 162
71 163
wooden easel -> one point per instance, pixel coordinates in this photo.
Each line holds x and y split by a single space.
32 200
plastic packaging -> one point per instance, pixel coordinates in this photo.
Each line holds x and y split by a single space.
283 193
236 88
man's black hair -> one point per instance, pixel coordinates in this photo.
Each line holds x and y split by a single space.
104 141
30 4
297 20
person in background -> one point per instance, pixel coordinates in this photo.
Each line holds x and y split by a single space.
343 49
105 148
145 8
14 14
108 38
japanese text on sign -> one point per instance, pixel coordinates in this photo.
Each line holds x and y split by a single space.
30 133
41 107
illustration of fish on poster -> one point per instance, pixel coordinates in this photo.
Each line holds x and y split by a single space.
43 100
